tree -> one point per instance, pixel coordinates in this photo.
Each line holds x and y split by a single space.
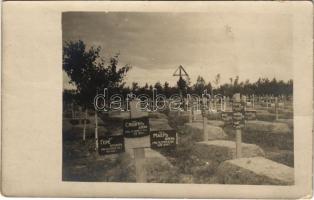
182 86
199 86
89 72
135 87
166 89
158 87
217 80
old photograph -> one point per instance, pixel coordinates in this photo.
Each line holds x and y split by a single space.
165 97
157 99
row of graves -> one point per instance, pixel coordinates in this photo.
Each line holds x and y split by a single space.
221 143
243 162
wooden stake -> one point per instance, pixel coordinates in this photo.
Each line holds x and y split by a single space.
205 134
238 143
190 115
253 102
194 114
84 129
72 110
96 130
237 98
215 104
139 153
225 103
276 107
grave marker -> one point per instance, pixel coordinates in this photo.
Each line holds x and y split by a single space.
205 134
238 109
237 118
84 129
111 144
190 115
136 127
163 139
224 107
194 104
276 107
96 130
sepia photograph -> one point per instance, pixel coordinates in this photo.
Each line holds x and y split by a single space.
157 99
178 97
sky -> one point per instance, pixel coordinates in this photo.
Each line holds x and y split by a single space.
248 45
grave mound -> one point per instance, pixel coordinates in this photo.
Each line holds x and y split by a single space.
221 150
265 115
254 171
285 157
264 126
158 168
159 124
289 122
271 134
176 119
157 115
120 116
194 131
212 122
75 132
214 116
216 123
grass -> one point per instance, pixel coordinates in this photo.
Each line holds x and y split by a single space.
82 163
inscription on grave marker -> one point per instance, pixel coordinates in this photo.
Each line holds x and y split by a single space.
136 127
163 139
111 144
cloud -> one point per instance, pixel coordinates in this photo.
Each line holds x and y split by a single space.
246 44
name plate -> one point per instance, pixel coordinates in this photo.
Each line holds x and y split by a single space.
163 139
111 144
137 127
238 120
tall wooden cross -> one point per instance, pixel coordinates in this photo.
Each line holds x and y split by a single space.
237 118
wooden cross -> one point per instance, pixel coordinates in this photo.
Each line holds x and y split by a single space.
237 118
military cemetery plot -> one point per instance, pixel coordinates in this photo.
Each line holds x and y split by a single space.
162 98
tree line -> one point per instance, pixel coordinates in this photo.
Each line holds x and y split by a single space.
91 74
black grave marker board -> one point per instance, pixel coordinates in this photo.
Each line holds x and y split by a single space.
136 127
163 139
111 144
